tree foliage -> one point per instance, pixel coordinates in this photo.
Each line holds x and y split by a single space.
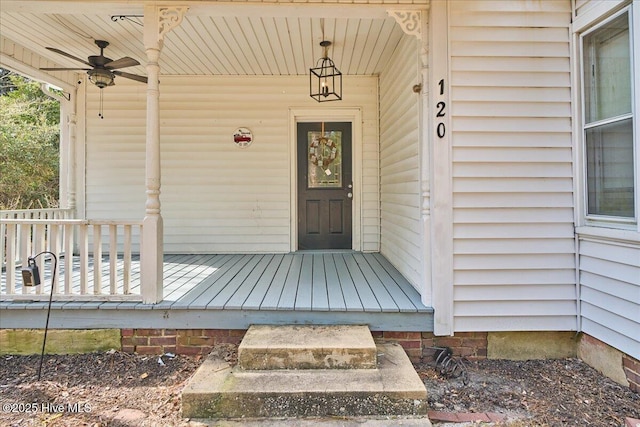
29 144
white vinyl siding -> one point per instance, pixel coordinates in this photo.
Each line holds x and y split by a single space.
514 262
399 161
609 259
610 292
215 196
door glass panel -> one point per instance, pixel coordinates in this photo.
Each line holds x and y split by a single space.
325 159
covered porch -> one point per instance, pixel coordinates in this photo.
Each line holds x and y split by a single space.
218 197
233 291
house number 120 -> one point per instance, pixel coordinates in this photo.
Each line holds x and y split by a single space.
440 112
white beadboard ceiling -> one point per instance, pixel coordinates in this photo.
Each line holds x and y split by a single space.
214 40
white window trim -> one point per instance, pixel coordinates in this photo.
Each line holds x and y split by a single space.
581 26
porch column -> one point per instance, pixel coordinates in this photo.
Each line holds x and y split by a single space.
72 165
415 23
157 22
439 131
68 107
430 27
425 158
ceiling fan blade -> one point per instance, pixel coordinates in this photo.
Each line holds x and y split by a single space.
64 69
121 63
135 77
68 55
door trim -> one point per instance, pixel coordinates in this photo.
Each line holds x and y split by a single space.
353 115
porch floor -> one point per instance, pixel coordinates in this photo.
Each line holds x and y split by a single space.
233 291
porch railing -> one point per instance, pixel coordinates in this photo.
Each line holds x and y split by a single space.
95 258
53 213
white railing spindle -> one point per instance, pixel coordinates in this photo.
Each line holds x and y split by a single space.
97 259
68 257
83 245
77 244
113 258
54 246
11 257
126 278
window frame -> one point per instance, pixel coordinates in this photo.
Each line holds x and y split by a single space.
583 216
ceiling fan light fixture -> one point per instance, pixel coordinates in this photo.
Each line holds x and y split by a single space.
100 77
325 80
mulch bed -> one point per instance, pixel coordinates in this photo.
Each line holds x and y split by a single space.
565 392
120 389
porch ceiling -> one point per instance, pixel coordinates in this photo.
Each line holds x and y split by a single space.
214 39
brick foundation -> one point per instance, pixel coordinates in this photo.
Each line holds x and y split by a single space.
177 341
472 345
421 345
417 345
632 371
611 362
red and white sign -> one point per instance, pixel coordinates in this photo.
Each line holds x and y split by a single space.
242 137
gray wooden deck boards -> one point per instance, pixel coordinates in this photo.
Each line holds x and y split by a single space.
309 287
300 281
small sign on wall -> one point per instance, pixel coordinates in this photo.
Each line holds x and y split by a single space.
242 137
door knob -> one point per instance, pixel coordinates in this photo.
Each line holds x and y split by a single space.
350 195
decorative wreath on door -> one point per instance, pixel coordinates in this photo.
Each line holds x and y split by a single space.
322 152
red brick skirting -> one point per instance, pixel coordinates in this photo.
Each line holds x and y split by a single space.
422 345
177 341
632 371
417 345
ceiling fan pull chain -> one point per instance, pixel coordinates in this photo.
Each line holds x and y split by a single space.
101 108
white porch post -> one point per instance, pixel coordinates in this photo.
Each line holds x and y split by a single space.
439 132
72 185
157 22
425 167
436 218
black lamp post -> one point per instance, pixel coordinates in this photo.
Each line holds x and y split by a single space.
31 277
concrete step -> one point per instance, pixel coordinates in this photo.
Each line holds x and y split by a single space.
307 347
393 388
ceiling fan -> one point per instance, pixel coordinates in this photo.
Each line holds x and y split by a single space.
103 70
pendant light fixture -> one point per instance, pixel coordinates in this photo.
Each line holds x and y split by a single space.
325 80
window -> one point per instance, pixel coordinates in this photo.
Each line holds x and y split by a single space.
608 121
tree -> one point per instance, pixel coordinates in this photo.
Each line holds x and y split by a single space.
29 144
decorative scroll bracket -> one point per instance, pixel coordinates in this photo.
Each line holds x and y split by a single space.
169 18
409 20
158 21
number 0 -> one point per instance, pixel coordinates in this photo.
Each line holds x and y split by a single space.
440 130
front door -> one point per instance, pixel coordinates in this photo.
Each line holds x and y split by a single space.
325 187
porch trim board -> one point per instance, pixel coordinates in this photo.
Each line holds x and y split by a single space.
234 291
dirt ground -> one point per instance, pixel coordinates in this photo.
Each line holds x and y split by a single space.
119 389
